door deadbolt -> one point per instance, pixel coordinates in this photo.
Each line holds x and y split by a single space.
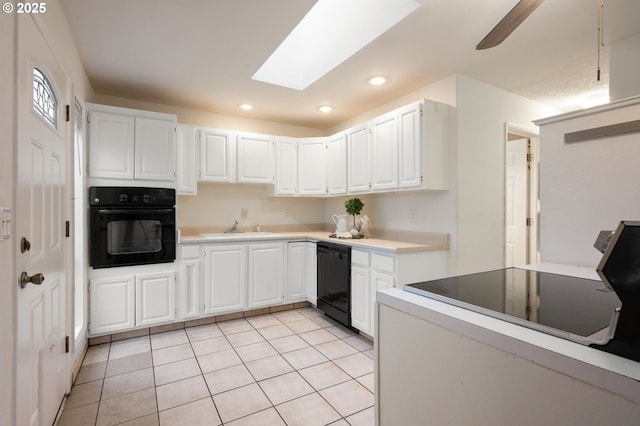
25 279
25 245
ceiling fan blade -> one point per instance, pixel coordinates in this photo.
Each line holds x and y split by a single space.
509 23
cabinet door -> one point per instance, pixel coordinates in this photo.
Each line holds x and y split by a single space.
218 156
337 164
296 272
358 159
410 146
384 153
286 166
361 305
225 279
187 160
111 145
155 149
311 174
189 288
112 304
311 269
266 274
255 158
379 281
155 298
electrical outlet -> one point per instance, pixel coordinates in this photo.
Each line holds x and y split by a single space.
244 213
412 215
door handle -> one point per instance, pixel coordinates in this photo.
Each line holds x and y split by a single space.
25 279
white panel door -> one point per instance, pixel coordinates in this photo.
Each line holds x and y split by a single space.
225 278
358 159
187 165
112 302
312 170
410 146
218 156
111 145
255 158
40 216
296 272
337 164
384 152
155 298
266 274
189 288
379 281
286 166
516 203
361 304
155 149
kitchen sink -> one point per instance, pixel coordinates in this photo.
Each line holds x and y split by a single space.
239 235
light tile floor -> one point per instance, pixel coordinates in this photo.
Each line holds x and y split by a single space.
294 367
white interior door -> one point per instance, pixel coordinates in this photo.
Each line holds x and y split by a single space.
41 188
516 203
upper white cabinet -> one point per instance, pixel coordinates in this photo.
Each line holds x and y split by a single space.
336 160
286 166
217 155
384 152
311 166
131 144
255 158
187 166
358 159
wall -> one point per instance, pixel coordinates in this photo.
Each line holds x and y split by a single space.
586 186
7 199
483 112
624 68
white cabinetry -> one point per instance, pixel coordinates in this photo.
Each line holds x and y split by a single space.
225 278
311 166
266 275
286 166
301 272
361 298
217 155
336 160
189 282
124 298
384 152
410 146
255 158
155 298
187 167
358 159
131 144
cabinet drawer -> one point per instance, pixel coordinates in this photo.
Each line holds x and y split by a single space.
384 263
359 257
190 252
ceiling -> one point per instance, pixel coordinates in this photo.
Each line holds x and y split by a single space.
201 54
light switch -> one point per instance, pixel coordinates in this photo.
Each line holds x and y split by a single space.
5 223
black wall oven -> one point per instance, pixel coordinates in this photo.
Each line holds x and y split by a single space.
131 226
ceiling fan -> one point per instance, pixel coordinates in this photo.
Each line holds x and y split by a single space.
509 23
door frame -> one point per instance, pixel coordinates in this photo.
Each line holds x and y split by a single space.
533 199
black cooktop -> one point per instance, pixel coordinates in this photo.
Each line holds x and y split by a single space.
568 307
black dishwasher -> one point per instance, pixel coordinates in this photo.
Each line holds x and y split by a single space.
334 281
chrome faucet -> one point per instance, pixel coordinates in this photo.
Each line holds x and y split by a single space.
234 227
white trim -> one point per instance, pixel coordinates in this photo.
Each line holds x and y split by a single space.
624 103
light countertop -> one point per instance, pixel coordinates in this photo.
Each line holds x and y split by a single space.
364 243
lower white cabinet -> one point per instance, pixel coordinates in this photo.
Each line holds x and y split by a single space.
189 279
266 275
301 272
123 299
361 305
225 279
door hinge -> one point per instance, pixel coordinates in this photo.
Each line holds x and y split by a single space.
88 118
89 286
66 229
529 157
529 221
66 344
67 113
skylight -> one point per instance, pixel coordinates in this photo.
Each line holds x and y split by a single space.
331 32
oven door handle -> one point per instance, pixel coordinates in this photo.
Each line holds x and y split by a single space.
114 211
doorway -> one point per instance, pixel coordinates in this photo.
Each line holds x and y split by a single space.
521 196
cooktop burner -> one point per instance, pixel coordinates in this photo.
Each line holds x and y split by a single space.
577 309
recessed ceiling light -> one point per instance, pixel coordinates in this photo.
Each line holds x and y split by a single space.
325 108
327 36
377 80
246 107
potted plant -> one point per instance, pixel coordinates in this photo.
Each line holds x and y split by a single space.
354 207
